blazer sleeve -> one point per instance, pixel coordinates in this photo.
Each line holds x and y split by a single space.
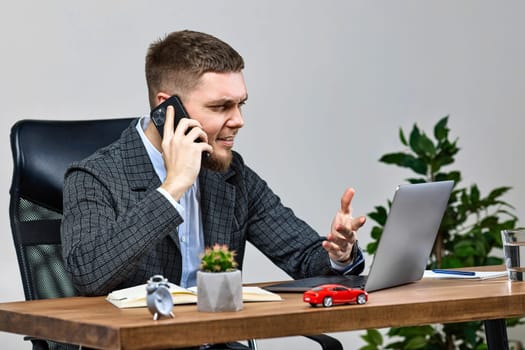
103 239
278 233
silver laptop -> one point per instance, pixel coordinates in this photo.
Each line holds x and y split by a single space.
405 245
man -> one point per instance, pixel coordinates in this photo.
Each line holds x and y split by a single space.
149 203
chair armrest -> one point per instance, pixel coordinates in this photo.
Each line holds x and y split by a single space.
327 342
38 344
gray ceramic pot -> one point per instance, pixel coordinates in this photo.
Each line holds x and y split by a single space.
219 291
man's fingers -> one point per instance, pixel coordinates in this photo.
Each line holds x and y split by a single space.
168 123
358 222
332 247
197 133
346 200
335 251
341 241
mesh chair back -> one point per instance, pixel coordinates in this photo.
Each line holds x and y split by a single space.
42 150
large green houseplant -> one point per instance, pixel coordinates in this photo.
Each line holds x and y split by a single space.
469 235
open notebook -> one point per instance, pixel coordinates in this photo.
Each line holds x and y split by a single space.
136 296
405 245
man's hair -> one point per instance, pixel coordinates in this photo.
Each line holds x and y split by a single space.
175 63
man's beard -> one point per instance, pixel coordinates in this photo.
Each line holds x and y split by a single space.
214 163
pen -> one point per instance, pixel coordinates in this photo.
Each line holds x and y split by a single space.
454 272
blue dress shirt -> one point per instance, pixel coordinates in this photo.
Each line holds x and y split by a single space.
190 232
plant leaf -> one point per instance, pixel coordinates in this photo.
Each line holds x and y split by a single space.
416 343
441 130
379 215
497 192
426 145
416 181
371 247
402 137
373 337
414 140
406 161
376 232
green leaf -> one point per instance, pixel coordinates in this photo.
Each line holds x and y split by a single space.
511 322
416 343
396 346
414 140
453 175
406 161
394 331
441 130
415 331
449 262
420 143
464 248
489 221
371 247
427 145
416 181
440 160
379 215
497 192
479 248
493 261
402 137
376 232
373 337
474 194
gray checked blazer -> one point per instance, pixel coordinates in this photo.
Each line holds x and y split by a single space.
117 230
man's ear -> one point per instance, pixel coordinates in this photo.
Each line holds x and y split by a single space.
161 97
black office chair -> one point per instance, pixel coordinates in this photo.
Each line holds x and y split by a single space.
42 150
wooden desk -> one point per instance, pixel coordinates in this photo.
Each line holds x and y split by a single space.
95 323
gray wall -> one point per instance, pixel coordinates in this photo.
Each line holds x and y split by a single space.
330 83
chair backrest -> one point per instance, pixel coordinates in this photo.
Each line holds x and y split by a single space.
42 150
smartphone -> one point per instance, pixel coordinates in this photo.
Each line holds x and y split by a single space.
158 114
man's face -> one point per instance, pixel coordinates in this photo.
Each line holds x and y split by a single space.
216 103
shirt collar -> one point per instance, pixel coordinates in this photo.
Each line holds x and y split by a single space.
154 155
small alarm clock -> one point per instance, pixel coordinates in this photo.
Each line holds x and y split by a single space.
159 300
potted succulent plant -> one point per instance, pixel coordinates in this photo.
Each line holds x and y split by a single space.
219 282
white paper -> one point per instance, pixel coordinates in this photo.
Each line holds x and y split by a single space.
479 275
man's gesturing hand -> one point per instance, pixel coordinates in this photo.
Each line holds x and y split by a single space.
343 234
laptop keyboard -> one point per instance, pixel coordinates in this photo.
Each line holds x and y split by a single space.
304 284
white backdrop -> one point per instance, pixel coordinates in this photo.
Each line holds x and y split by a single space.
330 83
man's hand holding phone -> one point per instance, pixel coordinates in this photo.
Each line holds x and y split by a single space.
182 153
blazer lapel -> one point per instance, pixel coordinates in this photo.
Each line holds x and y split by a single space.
217 206
137 165
140 173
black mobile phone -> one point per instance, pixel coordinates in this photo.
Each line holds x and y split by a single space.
158 114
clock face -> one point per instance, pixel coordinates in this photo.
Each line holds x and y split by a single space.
160 301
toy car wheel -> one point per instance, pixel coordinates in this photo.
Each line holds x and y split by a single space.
327 302
361 299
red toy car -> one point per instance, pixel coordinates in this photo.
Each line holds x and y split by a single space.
331 294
